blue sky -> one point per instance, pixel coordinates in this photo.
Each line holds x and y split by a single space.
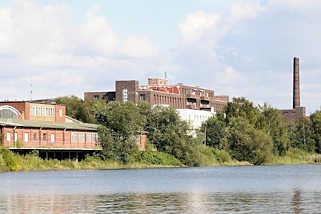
236 47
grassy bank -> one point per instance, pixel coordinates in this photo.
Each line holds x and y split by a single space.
10 161
15 162
295 156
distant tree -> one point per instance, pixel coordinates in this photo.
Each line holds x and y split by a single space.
77 108
245 143
316 128
121 122
301 135
270 121
214 130
241 107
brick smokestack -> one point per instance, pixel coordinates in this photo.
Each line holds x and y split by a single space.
296 83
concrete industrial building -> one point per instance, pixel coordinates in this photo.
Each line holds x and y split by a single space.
159 92
295 114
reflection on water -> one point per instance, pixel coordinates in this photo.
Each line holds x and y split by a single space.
295 202
283 189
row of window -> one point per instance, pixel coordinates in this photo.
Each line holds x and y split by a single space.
42 111
167 99
84 137
26 137
75 137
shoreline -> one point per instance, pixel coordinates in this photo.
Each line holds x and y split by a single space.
110 165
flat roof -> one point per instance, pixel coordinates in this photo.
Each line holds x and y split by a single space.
48 124
55 149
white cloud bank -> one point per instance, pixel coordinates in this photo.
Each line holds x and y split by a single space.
45 44
248 49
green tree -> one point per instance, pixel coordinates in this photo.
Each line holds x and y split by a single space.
301 135
78 109
245 143
121 123
241 107
214 130
316 128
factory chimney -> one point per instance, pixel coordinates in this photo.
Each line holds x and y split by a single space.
296 83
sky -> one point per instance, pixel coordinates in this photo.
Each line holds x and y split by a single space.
239 48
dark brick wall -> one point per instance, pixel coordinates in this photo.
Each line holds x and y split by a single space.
132 88
293 115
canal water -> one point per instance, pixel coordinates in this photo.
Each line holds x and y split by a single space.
246 189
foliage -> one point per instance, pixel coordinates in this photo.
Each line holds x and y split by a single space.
316 129
120 124
78 109
215 130
301 135
155 158
245 143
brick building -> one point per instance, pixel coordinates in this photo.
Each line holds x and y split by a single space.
297 112
158 91
29 126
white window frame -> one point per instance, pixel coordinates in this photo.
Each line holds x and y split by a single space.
9 137
26 137
15 137
52 138
125 95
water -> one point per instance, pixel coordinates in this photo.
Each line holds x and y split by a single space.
246 189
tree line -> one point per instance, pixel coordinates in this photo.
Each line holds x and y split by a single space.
241 131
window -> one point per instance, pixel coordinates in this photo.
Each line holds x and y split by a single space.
81 137
142 97
8 137
60 112
52 138
96 97
8 112
88 137
26 137
35 136
15 137
44 136
125 94
95 137
74 137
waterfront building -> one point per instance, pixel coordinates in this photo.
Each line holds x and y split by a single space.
26 126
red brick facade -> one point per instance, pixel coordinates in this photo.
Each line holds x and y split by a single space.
43 126
48 138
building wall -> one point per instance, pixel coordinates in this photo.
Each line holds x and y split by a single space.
62 139
20 106
25 110
131 86
293 115
194 117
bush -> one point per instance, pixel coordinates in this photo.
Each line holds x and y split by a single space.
155 158
222 156
248 144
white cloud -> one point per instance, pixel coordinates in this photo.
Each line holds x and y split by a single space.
307 5
213 26
64 56
196 24
139 47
